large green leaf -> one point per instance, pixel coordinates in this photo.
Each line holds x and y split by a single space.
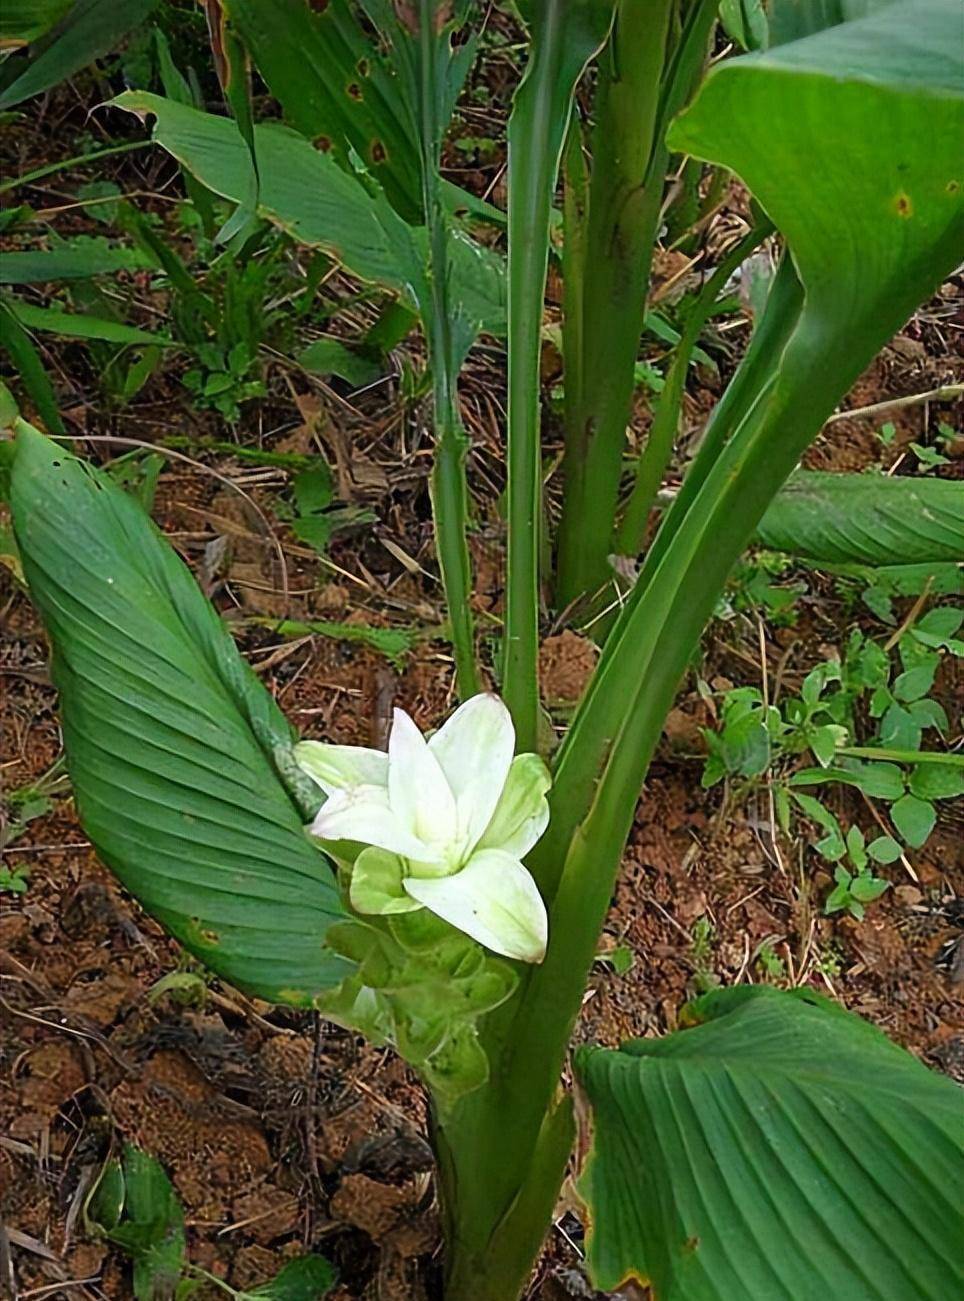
87 30
783 1150
328 77
173 744
308 195
868 519
790 20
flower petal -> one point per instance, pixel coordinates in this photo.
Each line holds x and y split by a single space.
419 795
522 814
493 899
475 748
376 884
339 767
363 814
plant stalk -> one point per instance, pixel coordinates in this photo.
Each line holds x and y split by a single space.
625 194
449 488
565 36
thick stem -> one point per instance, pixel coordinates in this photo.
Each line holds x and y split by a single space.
491 1249
625 193
564 39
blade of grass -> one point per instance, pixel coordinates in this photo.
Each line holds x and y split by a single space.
19 346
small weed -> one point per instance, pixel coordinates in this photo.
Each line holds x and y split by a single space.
769 963
701 955
754 741
829 961
755 586
929 458
618 957
860 886
23 806
15 880
311 511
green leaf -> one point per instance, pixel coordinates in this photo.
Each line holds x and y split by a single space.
394 643
790 20
899 729
23 21
856 847
16 342
782 1148
331 357
77 325
824 742
941 623
869 519
306 1278
745 21
884 849
308 195
173 745
914 819
866 888
929 713
136 1206
915 682
313 489
328 76
937 781
87 30
74 260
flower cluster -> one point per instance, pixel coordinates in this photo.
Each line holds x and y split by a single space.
441 824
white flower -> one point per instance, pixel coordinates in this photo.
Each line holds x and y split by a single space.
446 821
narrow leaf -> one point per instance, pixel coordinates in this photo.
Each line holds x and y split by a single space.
88 29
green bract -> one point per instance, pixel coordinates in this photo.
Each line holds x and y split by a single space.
445 821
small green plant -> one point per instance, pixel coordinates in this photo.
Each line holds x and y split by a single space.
928 458
222 378
769 962
836 700
859 886
701 955
311 509
752 587
15 880
135 1206
35 800
754 741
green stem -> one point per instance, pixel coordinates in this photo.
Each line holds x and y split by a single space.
625 193
77 161
495 1132
449 488
565 36
662 434
901 756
